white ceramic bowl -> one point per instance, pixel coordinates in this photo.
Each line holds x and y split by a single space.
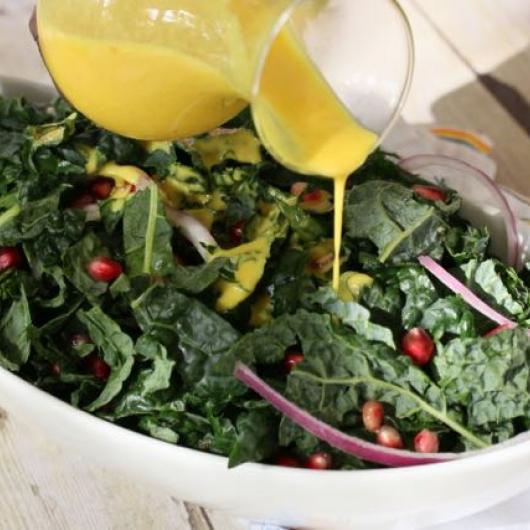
406 498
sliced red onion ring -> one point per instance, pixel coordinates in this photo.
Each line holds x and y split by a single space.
417 163
349 444
497 330
469 296
194 231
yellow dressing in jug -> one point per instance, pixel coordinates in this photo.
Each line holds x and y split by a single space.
306 127
152 92
138 90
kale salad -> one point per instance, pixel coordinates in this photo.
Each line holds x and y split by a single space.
154 284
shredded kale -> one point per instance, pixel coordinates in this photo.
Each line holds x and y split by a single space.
149 351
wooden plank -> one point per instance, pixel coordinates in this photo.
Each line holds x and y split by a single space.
446 91
44 488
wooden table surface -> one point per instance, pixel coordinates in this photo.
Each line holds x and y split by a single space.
473 71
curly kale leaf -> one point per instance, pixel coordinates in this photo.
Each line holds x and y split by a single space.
389 215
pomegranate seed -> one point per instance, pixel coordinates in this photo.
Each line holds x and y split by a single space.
387 436
313 196
418 345
102 187
286 461
426 442
97 367
430 193
80 339
103 269
373 415
298 188
82 201
10 258
317 201
319 461
291 360
236 232
56 369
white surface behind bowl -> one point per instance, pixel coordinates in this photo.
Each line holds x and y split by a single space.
367 500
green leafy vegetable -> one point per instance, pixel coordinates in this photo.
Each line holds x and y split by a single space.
151 351
117 349
489 378
15 341
388 214
500 286
147 235
354 315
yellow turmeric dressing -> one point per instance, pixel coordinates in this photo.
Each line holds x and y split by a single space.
251 260
138 90
302 122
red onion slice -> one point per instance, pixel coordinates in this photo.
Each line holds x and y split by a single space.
469 296
497 330
349 444
417 163
194 231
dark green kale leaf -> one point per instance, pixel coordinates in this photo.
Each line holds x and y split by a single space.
449 316
22 222
267 344
466 243
307 227
61 230
16 114
117 148
117 349
488 378
525 273
11 143
15 342
383 298
159 161
389 215
288 281
159 429
144 395
147 235
195 279
201 339
419 293
257 435
500 286
350 314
